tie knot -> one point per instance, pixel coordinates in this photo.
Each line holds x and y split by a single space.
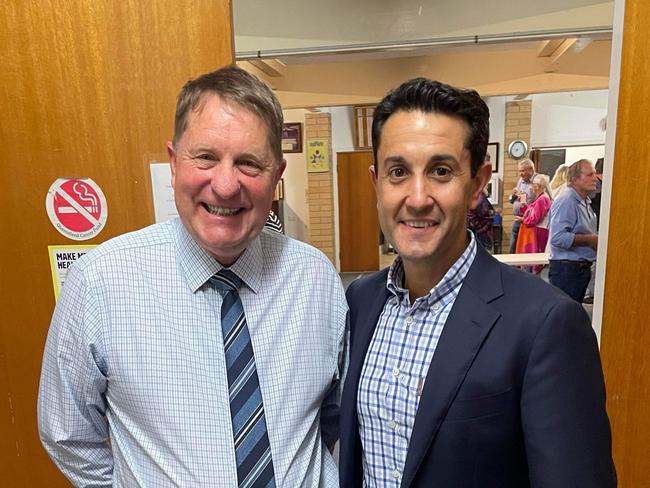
227 280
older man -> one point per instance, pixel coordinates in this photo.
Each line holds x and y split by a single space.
452 382
189 353
573 232
524 187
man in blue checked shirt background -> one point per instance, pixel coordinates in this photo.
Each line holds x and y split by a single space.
463 372
188 353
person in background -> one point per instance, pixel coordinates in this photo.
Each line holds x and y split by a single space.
533 233
595 205
574 236
479 218
596 194
463 371
524 187
202 351
274 223
558 182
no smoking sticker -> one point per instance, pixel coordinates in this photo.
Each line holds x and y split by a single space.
76 207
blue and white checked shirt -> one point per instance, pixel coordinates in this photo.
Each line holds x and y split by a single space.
135 355
396 365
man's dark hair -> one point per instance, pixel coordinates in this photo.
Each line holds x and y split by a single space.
600 162
428 96
238 86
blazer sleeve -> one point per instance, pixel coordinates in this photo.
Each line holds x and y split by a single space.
566 429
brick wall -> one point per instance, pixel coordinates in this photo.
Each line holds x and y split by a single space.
319 191
517 126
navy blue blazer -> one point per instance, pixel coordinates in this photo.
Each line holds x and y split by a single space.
514 396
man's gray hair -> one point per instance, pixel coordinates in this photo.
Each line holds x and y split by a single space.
527 163
237 86
575 170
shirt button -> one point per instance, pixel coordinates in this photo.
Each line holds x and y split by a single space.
396 474
392 424
436 306
409 320
396 372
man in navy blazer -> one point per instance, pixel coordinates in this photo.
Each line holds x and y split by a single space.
463 372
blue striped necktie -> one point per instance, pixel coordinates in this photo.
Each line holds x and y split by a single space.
252 449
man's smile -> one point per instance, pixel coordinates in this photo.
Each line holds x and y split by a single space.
222 211
419 224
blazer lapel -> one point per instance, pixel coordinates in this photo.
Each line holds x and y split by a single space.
372 301
469 322
362 335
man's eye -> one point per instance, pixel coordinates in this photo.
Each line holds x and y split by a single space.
442 172
397 172
249 166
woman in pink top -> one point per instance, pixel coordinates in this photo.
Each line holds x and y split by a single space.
535 220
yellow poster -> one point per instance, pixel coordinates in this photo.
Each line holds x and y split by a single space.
318 155
61 258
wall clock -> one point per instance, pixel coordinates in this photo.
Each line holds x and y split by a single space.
517 149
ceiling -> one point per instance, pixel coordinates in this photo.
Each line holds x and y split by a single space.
354 52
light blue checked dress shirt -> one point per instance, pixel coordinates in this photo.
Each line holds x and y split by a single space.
135 355
396 365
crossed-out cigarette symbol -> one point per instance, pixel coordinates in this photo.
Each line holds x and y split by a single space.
87 199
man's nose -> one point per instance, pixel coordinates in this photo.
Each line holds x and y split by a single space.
420 193
225 180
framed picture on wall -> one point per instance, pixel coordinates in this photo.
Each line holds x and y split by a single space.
363 126
292 137
493 151
492 189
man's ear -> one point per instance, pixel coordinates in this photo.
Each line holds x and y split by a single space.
280 171
172 160
479 181
373 175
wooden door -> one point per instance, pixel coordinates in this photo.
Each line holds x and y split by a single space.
87 88
625 337
358 221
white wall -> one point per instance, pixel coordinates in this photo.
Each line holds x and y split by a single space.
558 120
497 106
568 119
584 152
296 209
342 130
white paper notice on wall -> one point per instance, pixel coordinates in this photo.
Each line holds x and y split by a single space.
162 192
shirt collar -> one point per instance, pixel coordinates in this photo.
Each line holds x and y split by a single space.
577 196
199 266
453 278
530 181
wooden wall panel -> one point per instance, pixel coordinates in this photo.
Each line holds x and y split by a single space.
625 339
87 88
